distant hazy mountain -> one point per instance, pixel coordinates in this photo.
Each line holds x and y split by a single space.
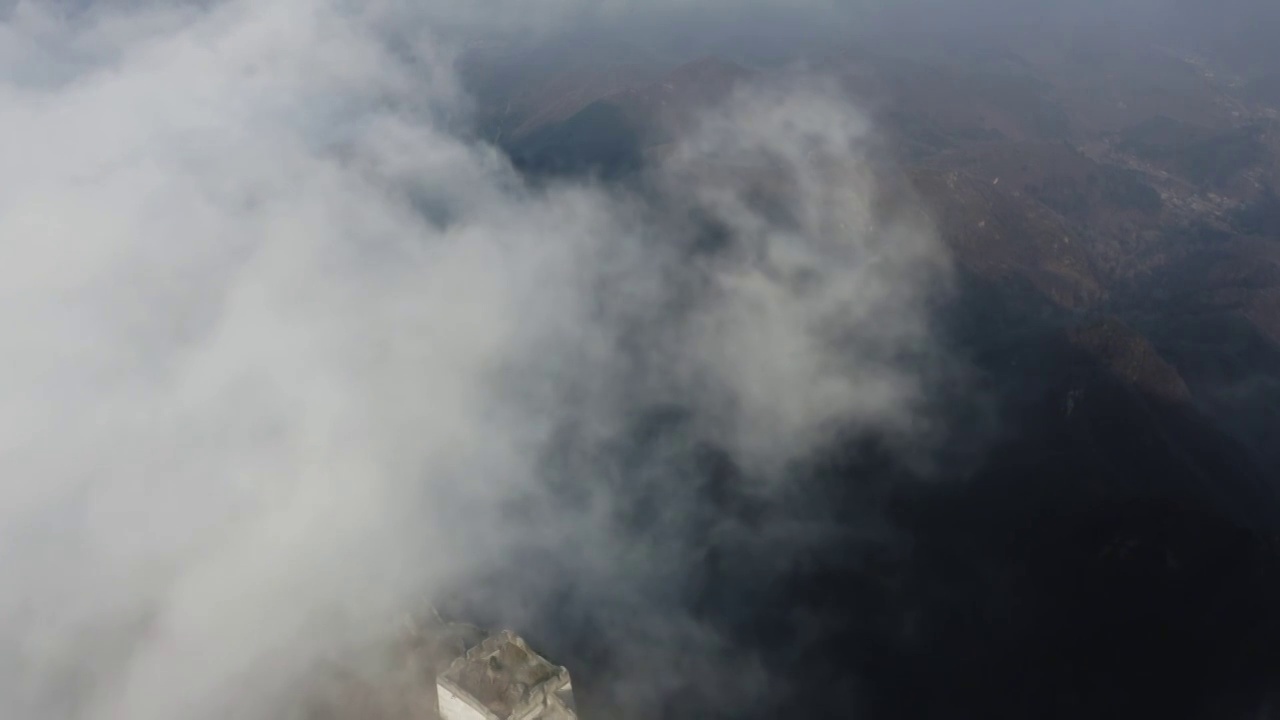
1110 201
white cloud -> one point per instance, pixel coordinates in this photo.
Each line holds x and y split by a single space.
277 340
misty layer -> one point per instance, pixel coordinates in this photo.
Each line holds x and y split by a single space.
283 350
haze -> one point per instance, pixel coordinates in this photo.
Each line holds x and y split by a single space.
699 343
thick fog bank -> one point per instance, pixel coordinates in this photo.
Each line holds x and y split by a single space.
286 352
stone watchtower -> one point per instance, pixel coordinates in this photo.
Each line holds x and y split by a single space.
503 679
